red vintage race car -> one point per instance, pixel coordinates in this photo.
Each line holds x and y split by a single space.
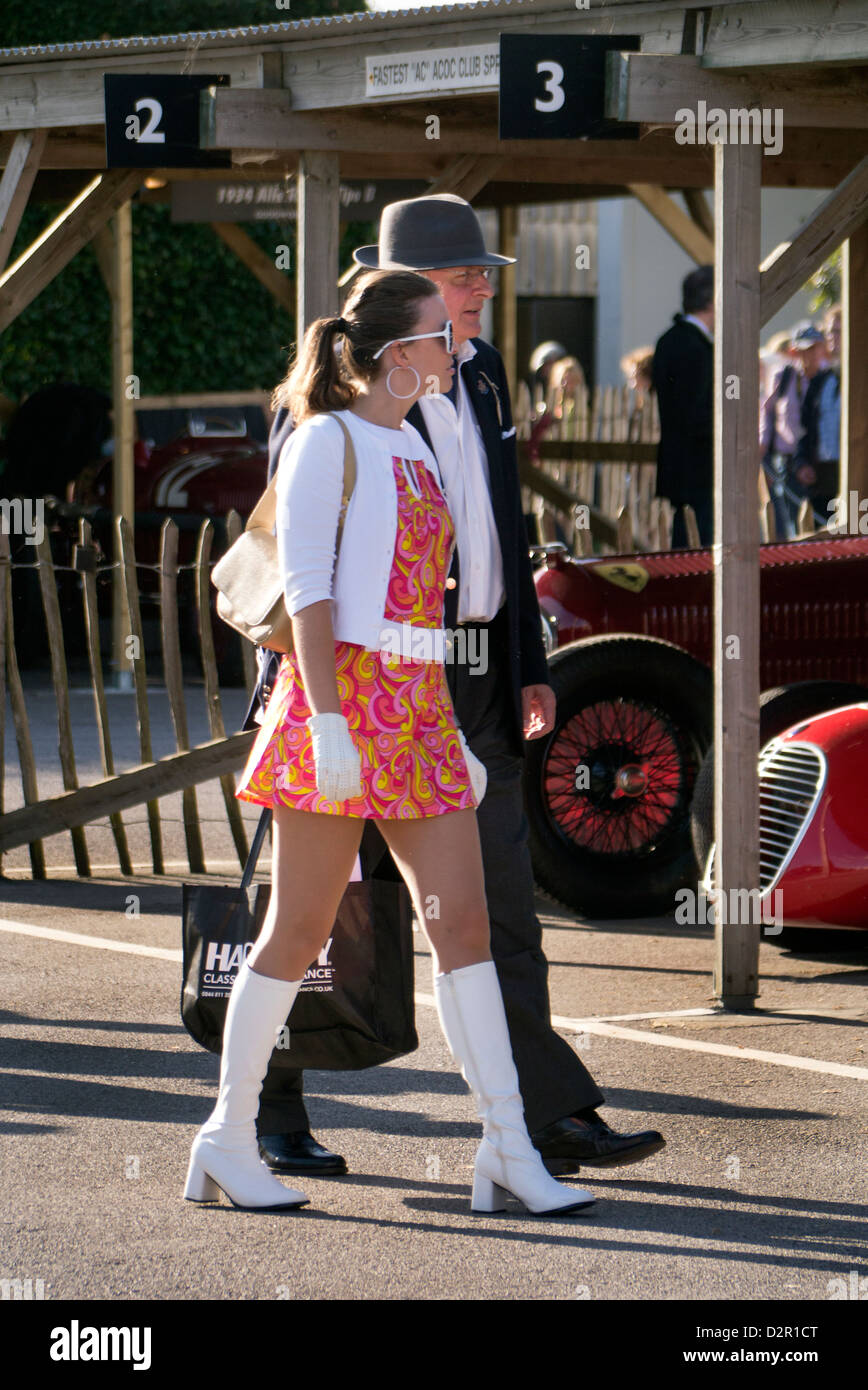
609 791
813 848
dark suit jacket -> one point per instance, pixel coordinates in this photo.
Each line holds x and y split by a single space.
524 656
683 379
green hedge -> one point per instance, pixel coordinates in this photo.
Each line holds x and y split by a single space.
201 321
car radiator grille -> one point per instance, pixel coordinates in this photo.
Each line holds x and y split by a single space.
791 777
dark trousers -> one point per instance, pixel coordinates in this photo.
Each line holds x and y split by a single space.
552 1079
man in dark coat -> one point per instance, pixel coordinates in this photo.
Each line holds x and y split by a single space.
683 376
499 701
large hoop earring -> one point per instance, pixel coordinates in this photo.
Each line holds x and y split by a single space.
409 393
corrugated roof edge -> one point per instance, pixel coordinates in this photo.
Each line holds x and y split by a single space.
245 33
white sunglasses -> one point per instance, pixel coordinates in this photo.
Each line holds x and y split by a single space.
444 332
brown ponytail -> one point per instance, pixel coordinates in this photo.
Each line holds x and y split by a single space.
384 305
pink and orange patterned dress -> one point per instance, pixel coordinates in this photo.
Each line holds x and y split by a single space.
399 710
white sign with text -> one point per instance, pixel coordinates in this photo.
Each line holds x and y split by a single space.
437 70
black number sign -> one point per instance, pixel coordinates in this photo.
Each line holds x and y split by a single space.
552 86
153 122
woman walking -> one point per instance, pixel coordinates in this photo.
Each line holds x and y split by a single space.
352 733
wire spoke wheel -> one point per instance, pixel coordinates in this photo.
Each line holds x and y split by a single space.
617 777
608 792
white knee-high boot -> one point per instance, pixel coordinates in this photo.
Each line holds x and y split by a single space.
472 1016
225 1152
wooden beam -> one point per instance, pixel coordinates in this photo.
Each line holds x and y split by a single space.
55 248
854 365
656 89
810 158
816 31
15 185
152 780
699 210
831 223
680 227
257 262
467 176
317 238
736 560
102 248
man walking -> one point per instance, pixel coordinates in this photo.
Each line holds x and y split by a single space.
500 700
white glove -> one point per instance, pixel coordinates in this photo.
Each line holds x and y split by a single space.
475 769
336 758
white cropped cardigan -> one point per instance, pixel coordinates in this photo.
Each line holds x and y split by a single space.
309 488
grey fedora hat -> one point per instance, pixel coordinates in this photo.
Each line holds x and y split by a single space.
429 233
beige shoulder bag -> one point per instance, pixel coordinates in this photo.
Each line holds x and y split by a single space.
248 578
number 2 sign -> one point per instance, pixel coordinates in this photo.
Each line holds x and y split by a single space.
153 122
552 86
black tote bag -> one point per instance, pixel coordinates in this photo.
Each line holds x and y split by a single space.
355 1007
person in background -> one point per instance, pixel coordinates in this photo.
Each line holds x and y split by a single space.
832 331
542 359
566 382
682 375
774 355
637 367
780 431
817 460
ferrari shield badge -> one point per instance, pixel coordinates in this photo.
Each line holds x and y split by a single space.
629 576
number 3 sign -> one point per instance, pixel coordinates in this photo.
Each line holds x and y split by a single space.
552 86
153 122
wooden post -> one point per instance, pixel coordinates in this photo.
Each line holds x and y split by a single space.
202 573
317 230
854 365
86 554
506 308
123 476
736 563
26 760
173 675
124 550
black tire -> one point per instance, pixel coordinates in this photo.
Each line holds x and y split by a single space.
633 710
780 708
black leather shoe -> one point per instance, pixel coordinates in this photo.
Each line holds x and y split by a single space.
300 1153
587 1141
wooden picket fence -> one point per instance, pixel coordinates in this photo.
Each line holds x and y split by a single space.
598 452
600 449
181 771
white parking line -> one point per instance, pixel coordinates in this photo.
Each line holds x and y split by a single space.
99 943
569 1025
775 1059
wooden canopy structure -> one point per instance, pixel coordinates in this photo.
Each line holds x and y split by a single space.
414 95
